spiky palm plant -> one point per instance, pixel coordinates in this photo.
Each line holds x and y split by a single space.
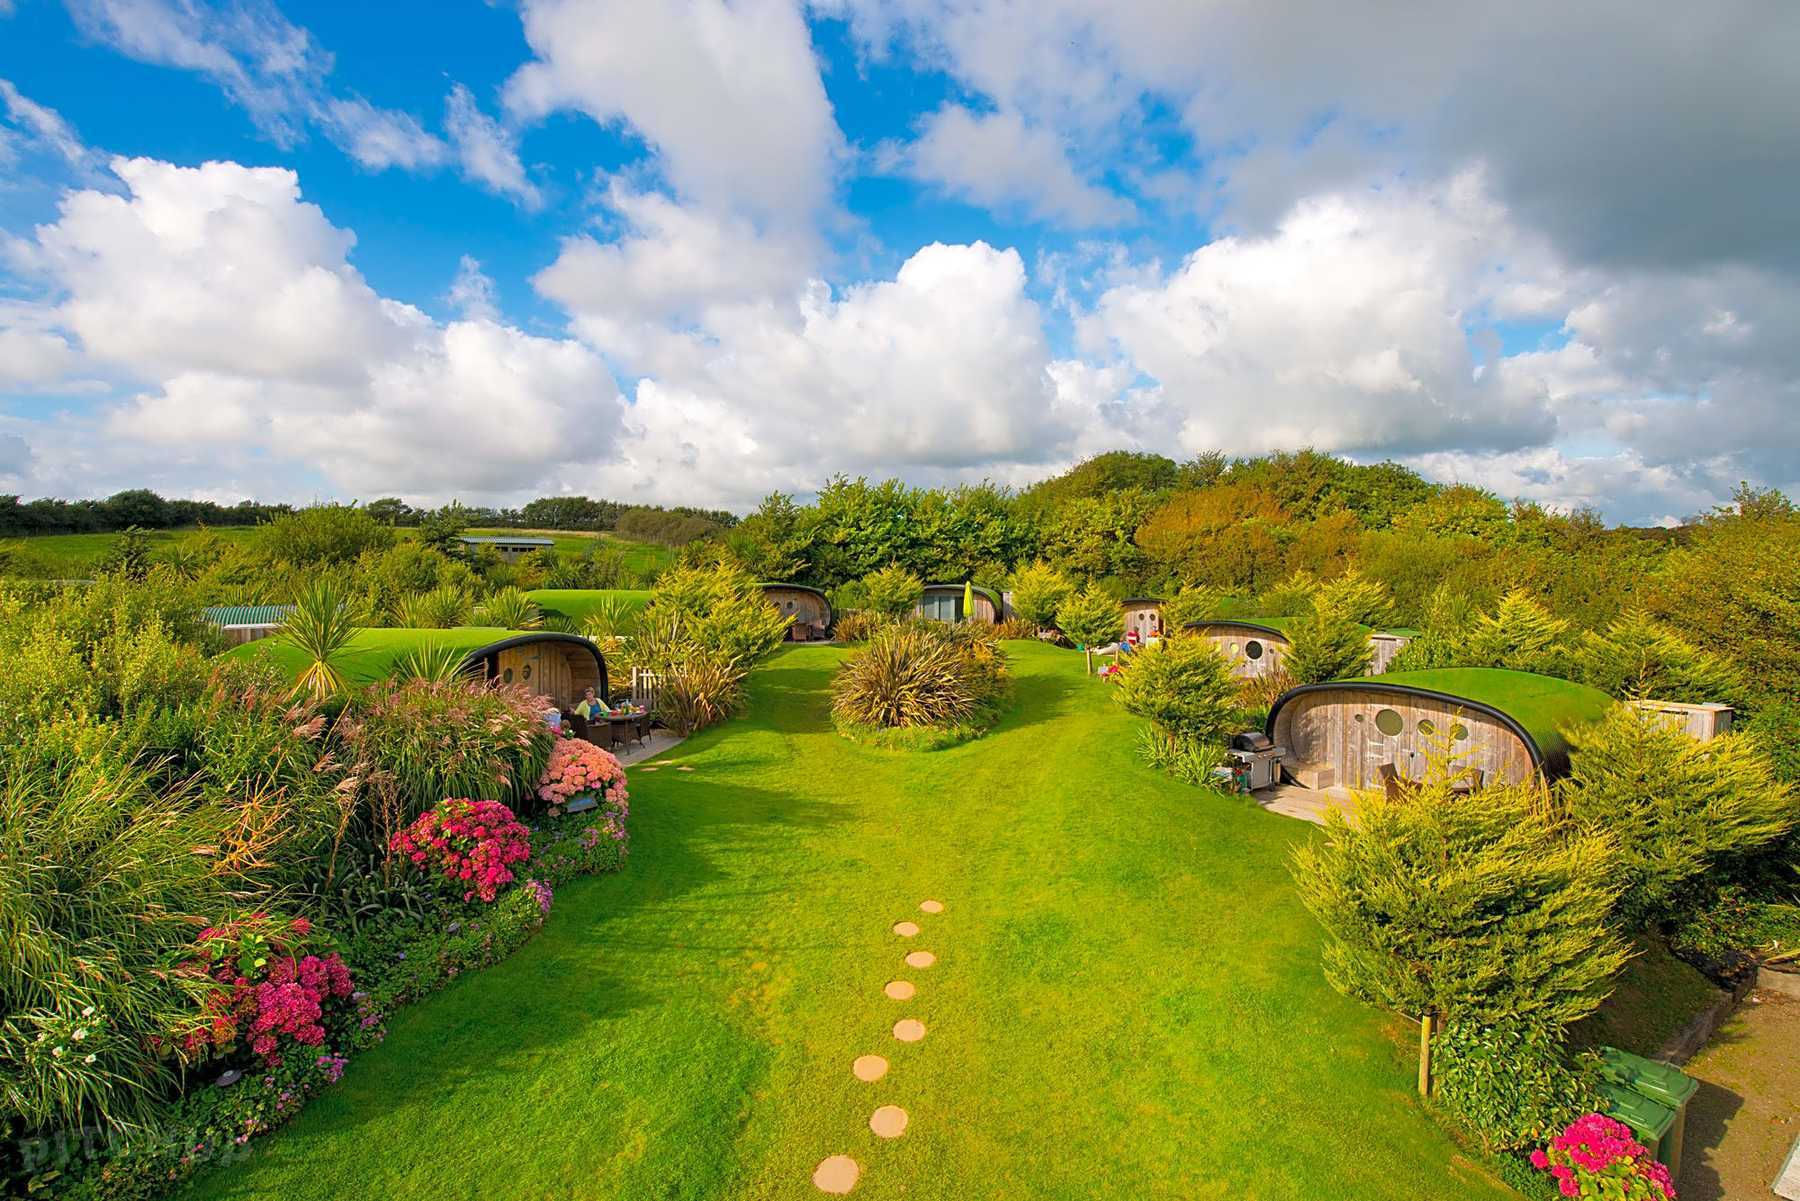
442 608
509 609
321 629
613 617
434 663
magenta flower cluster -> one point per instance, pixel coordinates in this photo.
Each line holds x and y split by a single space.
471 843
578 767
291 1002
1597 1157
542 893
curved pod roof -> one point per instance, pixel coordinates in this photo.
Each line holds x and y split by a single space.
777 586
1536 708
1273 627
374 654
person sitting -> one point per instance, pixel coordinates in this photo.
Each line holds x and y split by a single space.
592 707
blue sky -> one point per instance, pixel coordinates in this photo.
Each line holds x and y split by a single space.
701 250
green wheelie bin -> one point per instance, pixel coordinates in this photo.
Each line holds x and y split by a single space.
1640 1092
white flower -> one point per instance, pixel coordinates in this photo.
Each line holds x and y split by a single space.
88 1012
89 1059
80 1033
56 1051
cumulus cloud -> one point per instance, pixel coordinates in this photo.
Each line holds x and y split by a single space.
487 150
380 138
728 95
235 301
998 161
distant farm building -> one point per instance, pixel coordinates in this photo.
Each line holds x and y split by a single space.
508 546
1702 723
1499 727
1144 614
809 608
944 602
247 623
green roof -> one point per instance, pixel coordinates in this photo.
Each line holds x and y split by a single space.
1542 707
1276 625
373 653
248 615
576 603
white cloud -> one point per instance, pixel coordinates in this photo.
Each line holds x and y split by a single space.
39 125
728 95
234 300
380 138
488 151
472 292
998 161
30 358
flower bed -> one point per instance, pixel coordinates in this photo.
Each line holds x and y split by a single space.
1598 1157
292 1024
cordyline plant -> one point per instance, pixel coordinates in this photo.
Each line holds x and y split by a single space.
320 628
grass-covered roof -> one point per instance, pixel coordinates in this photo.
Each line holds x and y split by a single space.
1271 625
576 603
1541 707
374 653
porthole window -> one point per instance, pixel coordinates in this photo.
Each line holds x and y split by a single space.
1389 723
506 676
1427 727
1253 649
790 606
1231 647
1459 732
525 672
1359 718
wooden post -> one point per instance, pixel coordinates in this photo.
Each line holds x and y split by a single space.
1089 652
1425 1055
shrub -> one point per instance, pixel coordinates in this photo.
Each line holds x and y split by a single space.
1638 657
1520 634
469 844
1038 591
919 674
613 617
577 767
857 626
324 535
700 634
425 740
892 591
509 609
1328 643
259 989
1477 906
1598 1157
1511 1083
1091 618
1356 597
1184 687
1191 604
1675 805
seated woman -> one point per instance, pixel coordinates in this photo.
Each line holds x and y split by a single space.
592 707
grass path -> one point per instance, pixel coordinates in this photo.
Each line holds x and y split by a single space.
1127 1000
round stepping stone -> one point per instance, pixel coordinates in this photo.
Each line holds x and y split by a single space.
905 929
836 1175
684 767
889 1121
920 959
869 1068
931 906
909 1030
900 990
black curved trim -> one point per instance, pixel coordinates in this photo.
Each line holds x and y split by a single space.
481 656
1270 631
1550 767
1129 601
993 598
818 592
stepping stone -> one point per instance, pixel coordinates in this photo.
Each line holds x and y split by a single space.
889 1121
869 1068
920 959
651 767
905 929
909 1030
684 767
900 990
836 1175
931 906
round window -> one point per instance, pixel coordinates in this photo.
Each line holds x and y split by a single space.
1231 647
506 676
525 672
1459 732
1253 649
1389 723
790 606
1426 727
1358 718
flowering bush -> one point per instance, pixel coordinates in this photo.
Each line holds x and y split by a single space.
579 767
472 843
1597 1157
261 990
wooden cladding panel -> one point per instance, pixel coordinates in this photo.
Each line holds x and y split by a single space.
1339 729
1233 644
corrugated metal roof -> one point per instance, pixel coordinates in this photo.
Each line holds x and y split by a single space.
248 615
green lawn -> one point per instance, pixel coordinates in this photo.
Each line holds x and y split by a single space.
1127 1003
